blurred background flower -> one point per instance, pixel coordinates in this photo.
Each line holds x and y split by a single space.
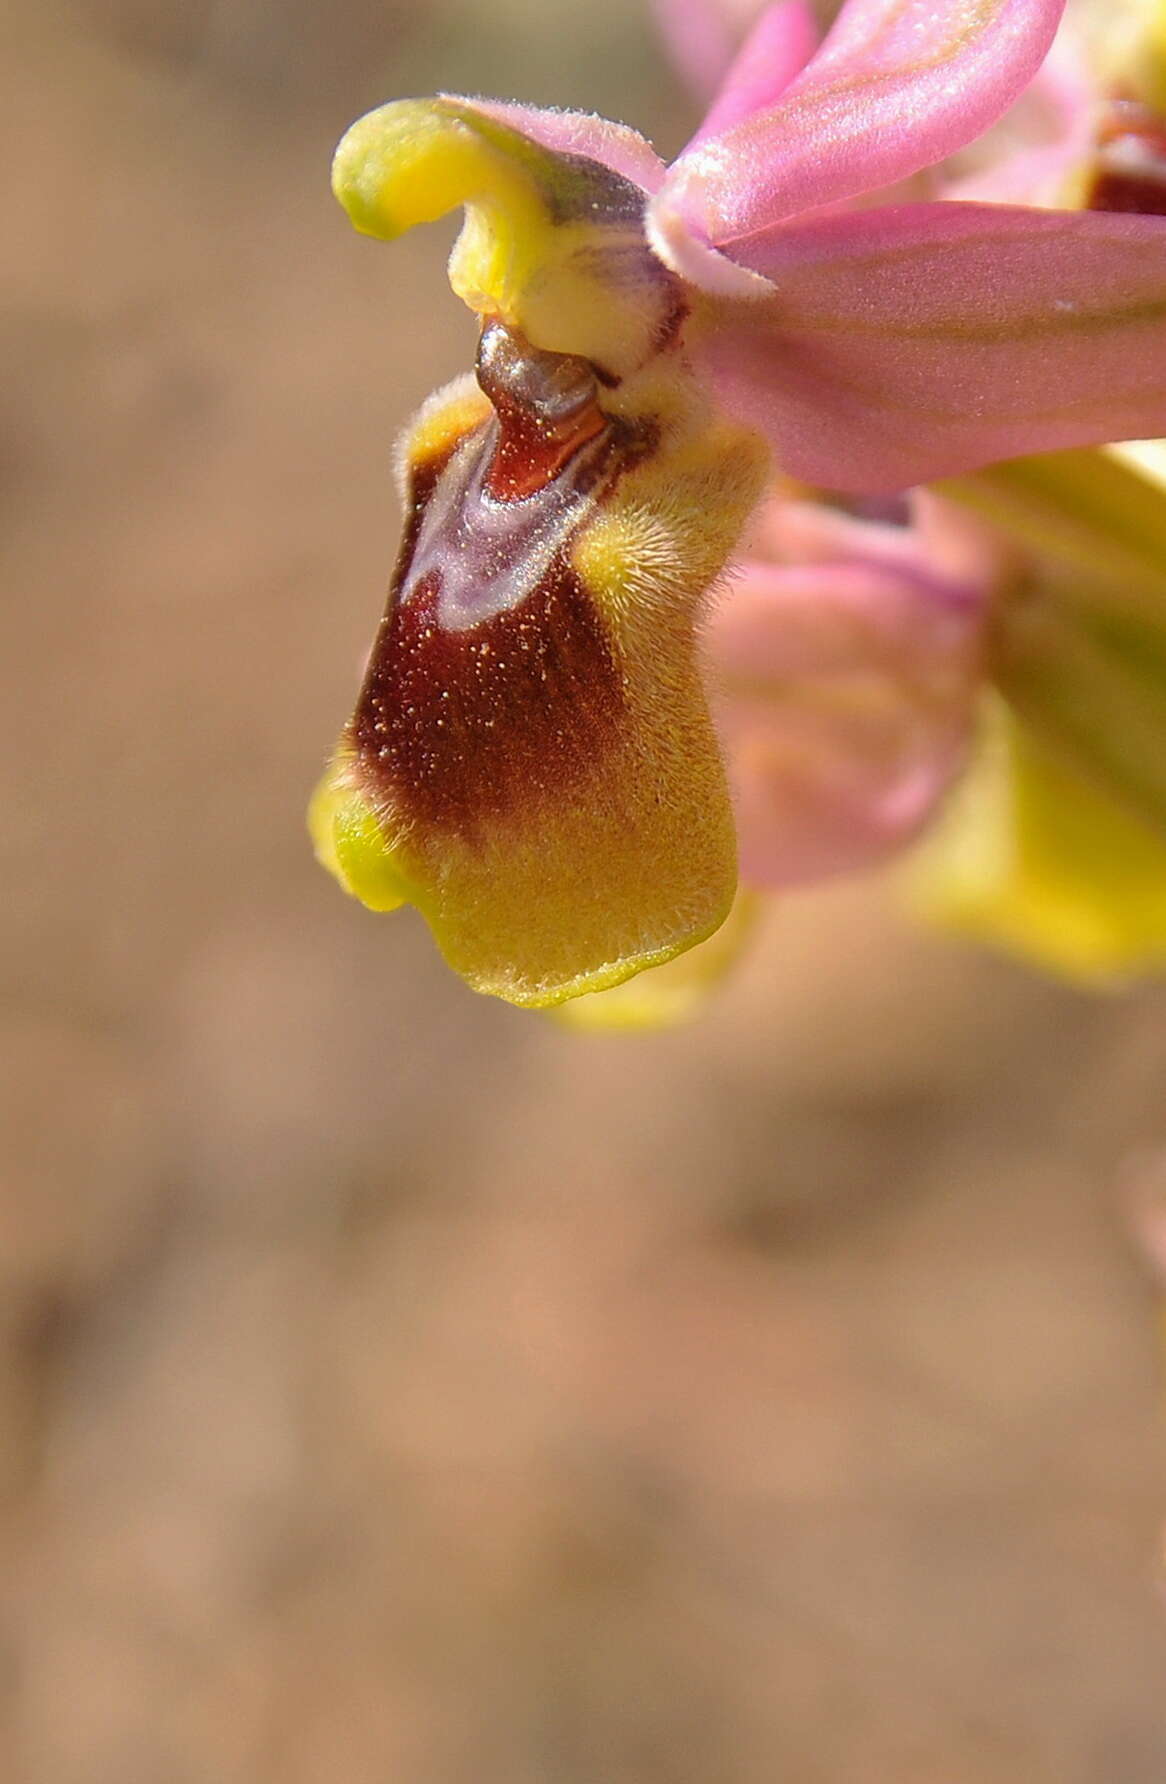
392 1386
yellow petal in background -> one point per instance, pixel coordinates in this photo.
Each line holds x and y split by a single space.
1123 44
1096 517
1078 638
1033 858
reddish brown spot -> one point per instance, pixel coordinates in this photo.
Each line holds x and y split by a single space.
1130 164
546 408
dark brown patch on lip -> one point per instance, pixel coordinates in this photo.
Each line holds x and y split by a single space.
458 727
1130 170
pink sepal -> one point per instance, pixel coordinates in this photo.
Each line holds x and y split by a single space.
912 343
701 37
775 52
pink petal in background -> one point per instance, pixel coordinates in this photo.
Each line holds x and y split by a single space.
775 52
702 38
844 695
1029 157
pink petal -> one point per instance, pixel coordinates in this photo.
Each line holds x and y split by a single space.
942 543
702 36
616 146
775 52
908 344
897 86
844 696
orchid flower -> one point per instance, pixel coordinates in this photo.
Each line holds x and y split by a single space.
532 760
1055 844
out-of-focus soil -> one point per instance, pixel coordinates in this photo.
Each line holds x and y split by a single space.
394 1387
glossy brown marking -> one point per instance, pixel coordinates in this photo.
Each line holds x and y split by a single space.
546 408
1130 165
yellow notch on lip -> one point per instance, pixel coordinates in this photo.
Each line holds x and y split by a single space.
416 160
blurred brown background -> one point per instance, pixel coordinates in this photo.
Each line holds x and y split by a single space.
395 1389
